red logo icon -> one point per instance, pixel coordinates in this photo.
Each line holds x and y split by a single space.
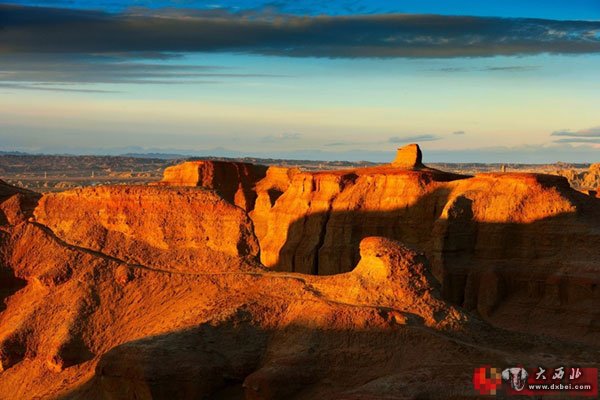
486 380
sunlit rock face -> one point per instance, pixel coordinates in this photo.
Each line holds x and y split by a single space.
501 244
498 243
16 204
228 280
89 326
231 180
408 157
180 229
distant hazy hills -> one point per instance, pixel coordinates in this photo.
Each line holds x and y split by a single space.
488 155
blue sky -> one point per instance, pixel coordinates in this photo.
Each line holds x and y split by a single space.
322 80
550 9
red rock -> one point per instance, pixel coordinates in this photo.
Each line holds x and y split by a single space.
231 180
182 228
408 157
487 236
157 292
91 335
268 190
16 204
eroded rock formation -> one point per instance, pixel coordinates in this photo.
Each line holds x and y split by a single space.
179 229
502 244
408 157
232 180
268 190
585 180
319 286
16 204
89 326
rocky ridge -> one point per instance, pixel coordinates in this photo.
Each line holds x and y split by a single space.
179 229
234 181
380 282
586 180
503 244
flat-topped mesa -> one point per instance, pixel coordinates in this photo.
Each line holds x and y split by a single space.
234 181
409 157
176 229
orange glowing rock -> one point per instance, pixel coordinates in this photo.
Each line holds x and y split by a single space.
486 236
185 229
408 157
233 181
228 280
16 204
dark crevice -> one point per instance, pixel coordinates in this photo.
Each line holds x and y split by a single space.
274 194
322 233
9 285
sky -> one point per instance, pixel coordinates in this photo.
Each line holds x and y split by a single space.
470 81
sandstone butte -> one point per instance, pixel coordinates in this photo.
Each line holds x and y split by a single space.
230 280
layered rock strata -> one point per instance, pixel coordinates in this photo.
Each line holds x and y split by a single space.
513 246
183 229
233 181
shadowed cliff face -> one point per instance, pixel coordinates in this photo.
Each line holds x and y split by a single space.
514 247
505 245
373 282
231 180
88 326
511 246
321 216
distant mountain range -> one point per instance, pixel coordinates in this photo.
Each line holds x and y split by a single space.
489 155
13 153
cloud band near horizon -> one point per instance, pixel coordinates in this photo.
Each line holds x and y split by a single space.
591 135
53 30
